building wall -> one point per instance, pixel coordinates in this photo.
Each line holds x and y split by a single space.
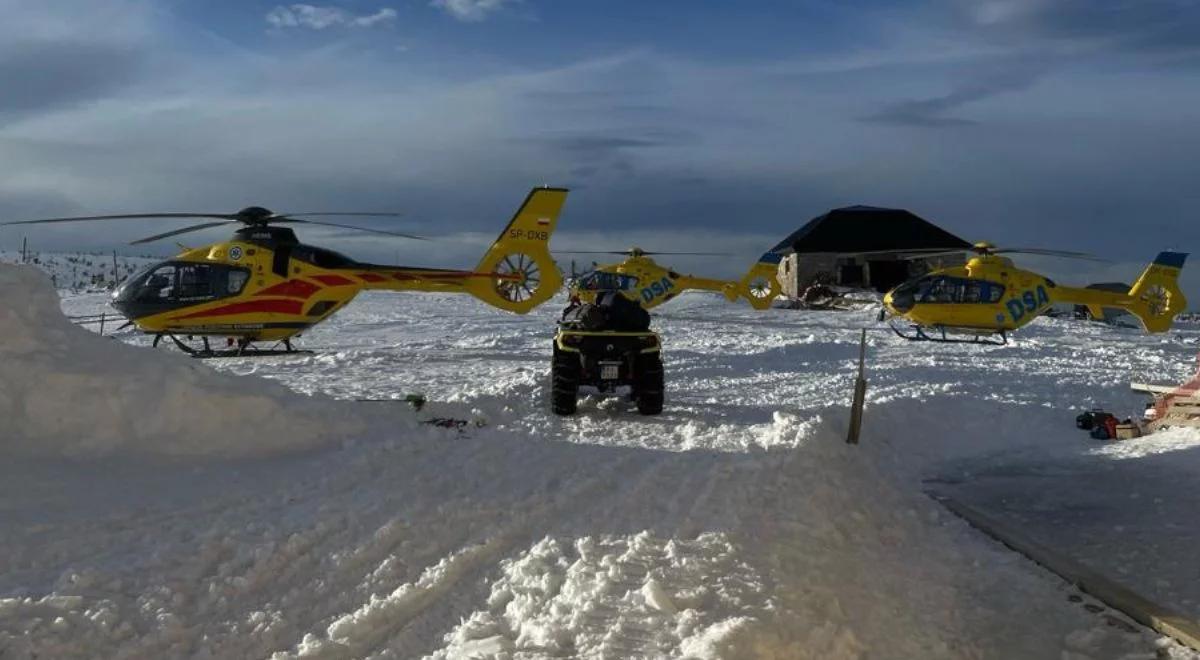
797 271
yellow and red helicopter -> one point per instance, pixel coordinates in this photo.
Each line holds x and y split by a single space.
644 281
990 296
264 285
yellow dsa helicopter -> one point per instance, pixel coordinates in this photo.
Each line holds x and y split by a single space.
264 285
990 296
643 280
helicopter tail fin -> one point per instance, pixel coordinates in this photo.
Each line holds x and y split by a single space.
525 273
760 285
1156 295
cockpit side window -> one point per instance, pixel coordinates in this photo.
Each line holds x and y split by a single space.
196 281
603 281
237 281
939 291
188 282
983 292
158 285
943 290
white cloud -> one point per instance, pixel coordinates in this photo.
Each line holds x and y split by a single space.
315 17
385 15
470 10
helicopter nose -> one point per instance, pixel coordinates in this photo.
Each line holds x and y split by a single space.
898 301
123 307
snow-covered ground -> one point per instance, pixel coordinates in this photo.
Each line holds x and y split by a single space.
736 525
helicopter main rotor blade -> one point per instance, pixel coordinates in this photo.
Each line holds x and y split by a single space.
1052 253
341 226
644 252
185 230
924 252
125 216
336 213
695 254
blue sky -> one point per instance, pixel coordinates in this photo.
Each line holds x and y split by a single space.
701 125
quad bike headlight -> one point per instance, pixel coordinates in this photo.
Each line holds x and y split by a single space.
572 340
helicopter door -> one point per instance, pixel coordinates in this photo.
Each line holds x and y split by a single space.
195 282
981 291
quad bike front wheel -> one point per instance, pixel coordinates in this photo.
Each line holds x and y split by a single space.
649 379
564 383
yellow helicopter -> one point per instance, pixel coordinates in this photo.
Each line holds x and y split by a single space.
990 296
644 281
264 285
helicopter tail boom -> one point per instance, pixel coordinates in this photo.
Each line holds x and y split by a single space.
1156 297
525 274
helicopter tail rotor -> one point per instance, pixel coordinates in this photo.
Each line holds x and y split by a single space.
760 286
523 274
1156 294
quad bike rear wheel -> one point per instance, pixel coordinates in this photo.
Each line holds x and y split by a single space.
564 382
649 379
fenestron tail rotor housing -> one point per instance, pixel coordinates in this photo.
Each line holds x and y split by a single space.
517 277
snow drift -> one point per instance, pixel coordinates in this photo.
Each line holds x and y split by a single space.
67 391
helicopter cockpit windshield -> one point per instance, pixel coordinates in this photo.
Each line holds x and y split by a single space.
174 282
601 281
946 290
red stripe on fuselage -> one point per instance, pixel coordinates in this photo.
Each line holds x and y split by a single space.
291 289
448 275
250 307
332 280
372 277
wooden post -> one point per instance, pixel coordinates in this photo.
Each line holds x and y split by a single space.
116 275
102 323
860 393
24 248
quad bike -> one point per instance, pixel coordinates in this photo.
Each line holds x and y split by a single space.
609 361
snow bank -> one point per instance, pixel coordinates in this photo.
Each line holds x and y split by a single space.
69 392
1168 440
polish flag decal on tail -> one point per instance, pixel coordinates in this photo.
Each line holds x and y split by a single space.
543 221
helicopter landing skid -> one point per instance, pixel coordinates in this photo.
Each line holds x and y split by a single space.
244 348
919 334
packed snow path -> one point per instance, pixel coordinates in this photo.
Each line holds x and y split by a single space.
736 525
1127 510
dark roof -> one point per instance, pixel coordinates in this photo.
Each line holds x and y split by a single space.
855 229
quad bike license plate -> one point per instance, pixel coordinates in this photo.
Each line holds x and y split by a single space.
610 370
